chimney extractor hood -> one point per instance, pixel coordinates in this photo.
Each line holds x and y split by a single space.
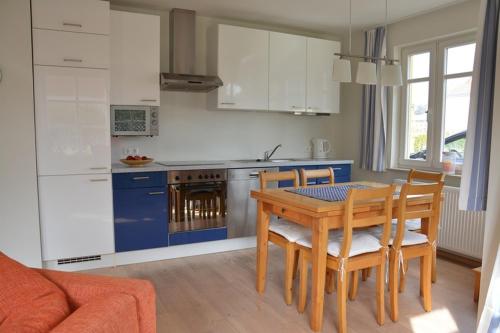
182 57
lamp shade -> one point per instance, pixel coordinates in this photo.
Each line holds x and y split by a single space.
367 73
391 75
342 70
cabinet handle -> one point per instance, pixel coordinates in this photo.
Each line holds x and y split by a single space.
99 168
254 175
148 100
227 103
72 60
156 193
140 178
98 180
69 24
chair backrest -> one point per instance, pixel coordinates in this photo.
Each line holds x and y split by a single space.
425 175
305 175
267 177
368 217
406 212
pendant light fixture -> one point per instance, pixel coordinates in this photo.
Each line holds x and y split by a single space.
390 72
341 65
367 69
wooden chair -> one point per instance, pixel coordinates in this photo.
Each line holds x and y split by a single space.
408 244
434 177
283 233
350 251
305 175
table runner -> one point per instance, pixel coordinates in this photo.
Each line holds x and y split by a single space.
327 193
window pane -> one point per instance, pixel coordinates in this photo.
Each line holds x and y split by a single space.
418 65
418 100
460 59
456 115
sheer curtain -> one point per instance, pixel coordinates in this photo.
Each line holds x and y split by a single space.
374 113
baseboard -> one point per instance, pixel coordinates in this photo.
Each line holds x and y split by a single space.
458 258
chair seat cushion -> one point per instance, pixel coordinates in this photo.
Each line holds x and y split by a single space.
410 237
411 224
28 301
291 231
362 242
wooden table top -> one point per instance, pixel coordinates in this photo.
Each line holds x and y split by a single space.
316 206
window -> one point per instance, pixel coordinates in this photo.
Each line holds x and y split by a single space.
435 102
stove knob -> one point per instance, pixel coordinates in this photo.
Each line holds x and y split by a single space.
206 176
177 178
200 177
212 176
217 176
189 177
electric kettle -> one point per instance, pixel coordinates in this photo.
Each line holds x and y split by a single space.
320 148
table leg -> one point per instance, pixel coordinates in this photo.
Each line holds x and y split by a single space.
262 239
319 246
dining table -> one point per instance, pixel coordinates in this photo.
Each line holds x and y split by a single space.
320 216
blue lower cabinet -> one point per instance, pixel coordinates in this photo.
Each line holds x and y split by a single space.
198 236
141 218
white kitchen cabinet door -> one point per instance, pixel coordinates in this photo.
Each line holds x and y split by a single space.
323 94
135 59
76 216
287 72
90 16
72 120
243 66
68 49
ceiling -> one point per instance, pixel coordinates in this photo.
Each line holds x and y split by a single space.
315 15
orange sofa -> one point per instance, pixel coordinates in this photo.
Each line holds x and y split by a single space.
38 301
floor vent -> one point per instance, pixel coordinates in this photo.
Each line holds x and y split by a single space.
77 259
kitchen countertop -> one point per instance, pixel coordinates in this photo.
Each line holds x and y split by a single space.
228 164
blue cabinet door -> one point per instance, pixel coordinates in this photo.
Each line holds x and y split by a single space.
141 218
342 173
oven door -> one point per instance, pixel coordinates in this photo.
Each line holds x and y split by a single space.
130 120
198 206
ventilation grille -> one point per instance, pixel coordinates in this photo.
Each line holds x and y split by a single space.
77 259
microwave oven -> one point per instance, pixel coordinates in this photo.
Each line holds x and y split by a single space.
134 120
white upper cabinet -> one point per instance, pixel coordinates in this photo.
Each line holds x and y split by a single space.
287 72
135 59
323 94
90 16
68 49
76 214
72 120
243 66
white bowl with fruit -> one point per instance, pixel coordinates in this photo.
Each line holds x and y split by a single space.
136 161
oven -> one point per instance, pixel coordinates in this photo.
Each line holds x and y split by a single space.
197 199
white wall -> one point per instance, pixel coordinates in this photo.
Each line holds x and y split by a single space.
444 22
19 227
189 131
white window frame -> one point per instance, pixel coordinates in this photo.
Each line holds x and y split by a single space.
435 115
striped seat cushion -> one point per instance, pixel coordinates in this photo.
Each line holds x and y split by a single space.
291 231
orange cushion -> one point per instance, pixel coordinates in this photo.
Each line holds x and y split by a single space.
28 301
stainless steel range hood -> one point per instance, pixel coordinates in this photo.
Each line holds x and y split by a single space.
182 57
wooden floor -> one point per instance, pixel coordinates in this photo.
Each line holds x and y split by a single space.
216 293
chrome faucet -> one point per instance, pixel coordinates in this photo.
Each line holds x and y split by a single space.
267 155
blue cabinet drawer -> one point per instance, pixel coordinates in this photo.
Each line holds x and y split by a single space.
140 218
197 236
341 170
139 179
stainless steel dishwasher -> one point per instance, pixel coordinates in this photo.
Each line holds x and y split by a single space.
241 208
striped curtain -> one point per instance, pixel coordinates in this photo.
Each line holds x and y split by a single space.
474 184
374 113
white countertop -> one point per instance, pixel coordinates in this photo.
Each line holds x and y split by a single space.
229 164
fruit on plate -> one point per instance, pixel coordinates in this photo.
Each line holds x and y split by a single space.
137 158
